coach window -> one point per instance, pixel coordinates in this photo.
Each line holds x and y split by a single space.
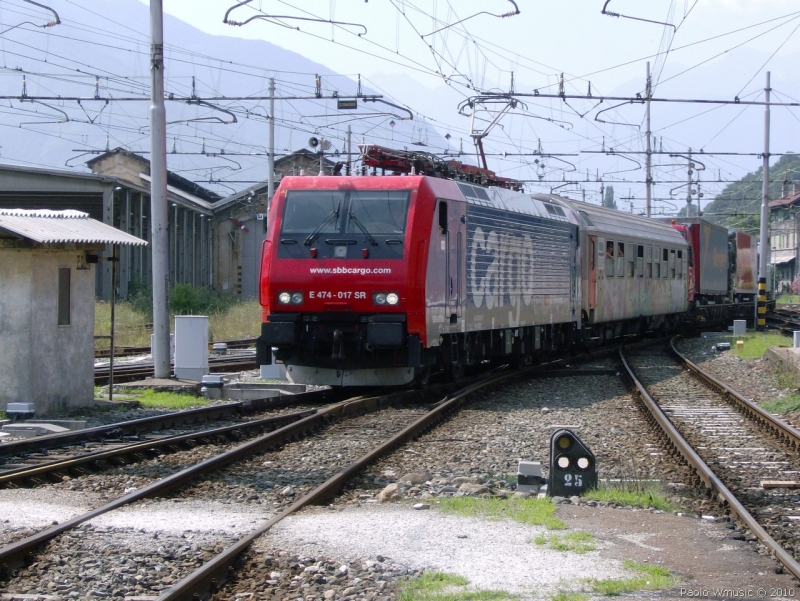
609 258
648 260
665 263
631 260
640 260
656 262
442 217
620 259
680 265
672 263
63 296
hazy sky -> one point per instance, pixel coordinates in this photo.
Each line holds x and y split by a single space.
432 56
546 38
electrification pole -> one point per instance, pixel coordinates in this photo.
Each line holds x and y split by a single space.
689 185
648 156
271 154
158 195
347 168
761 308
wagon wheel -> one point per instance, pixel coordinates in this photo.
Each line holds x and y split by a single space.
422 376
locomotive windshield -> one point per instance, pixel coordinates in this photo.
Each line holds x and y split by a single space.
310 211
380 211
331 220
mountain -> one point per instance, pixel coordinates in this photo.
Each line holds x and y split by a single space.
105 43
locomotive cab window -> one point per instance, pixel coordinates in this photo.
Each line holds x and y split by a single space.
609 259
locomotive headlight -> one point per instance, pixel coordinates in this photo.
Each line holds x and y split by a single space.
297 298
392 298
284 298
379 298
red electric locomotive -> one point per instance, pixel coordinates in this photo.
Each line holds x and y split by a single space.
371 280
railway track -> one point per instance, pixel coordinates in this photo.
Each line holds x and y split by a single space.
784 318
746 458
243 360
131 351
338 429
91 439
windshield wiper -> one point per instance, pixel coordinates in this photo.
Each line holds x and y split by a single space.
360 226
332 216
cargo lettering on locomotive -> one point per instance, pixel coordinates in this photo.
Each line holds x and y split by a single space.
508 266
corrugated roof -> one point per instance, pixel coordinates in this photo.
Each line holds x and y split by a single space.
60 227
777 257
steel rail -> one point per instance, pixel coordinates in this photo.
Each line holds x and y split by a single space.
156 422
210 575
706 474
65 465
15 555
781 428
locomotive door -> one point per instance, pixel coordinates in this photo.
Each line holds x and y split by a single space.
592 272
451 224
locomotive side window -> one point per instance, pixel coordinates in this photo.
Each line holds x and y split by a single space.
640 260
609 258
442 217
620 259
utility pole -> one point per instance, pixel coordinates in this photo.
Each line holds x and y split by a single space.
761 308
271 153
347 167
648 156
159 221
689 186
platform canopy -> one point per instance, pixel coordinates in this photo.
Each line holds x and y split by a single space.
62 227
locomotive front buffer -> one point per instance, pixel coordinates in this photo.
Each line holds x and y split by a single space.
573 468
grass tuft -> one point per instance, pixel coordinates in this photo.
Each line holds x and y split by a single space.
649 578
535 512
786 404
440 586
570 596
150 399
577 542
228 320
629 494
756 344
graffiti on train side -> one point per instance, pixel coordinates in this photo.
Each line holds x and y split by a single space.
507 268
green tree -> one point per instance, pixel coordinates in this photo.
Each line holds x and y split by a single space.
738 206
608 198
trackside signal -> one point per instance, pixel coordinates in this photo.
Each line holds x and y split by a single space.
573 467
